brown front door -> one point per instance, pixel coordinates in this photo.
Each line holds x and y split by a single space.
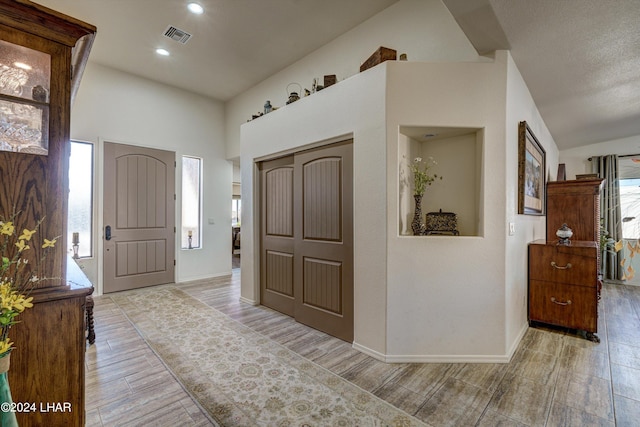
307 223
139 217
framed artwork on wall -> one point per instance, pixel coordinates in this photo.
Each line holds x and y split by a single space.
531 172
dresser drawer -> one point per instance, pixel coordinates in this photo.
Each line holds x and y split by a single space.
563 264
564 305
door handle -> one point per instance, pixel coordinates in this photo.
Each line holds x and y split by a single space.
107 232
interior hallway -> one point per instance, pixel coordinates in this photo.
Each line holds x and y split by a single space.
556 378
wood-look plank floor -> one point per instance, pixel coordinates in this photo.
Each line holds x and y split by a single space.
556 378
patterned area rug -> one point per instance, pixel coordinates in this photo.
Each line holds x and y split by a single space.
242 378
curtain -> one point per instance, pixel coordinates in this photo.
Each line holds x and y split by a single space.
610 212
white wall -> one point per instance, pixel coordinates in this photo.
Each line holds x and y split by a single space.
458 189
439 298
424 29
519 107
351 109
436 298
576 161
117 107
446 293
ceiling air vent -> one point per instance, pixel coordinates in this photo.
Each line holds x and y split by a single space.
177 34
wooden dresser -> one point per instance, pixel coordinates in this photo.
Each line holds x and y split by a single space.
564 280
563 285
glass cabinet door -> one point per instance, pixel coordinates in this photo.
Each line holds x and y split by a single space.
25 76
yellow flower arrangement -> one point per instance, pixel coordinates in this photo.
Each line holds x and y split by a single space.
17 277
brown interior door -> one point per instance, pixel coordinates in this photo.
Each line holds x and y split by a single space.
324 239
139 217
307 237
277 252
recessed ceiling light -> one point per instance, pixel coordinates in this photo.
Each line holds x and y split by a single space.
430 135
163 52
195 8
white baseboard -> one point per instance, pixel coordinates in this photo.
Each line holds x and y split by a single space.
516 343
248 301
442 358
369 352
448 358
200 278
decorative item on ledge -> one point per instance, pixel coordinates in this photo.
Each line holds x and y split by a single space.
293 96
316 86
421 178
416 225
441 223
379 56
564 233
329 80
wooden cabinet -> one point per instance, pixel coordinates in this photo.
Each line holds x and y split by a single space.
42 57
564 280
563 285
577 204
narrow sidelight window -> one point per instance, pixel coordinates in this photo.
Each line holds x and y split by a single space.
191 202
80 214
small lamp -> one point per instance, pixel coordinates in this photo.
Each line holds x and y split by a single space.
76 244
564 233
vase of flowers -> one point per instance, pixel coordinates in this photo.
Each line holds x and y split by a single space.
417 226
17 277
421 179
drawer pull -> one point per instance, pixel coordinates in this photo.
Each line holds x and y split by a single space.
566 267
555 301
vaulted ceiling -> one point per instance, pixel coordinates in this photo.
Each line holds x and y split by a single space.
579 58
235 45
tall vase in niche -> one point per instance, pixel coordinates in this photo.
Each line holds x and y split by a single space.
417 225
421 179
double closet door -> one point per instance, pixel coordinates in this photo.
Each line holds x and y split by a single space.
306 258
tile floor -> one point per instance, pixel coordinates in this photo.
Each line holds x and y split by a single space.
556 377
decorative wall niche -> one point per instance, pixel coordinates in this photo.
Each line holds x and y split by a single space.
458 153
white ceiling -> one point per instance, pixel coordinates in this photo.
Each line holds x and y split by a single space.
579 58
235 45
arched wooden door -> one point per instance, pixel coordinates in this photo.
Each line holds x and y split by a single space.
139 217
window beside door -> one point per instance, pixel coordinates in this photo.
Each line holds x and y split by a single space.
630 207
80 213
191 202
